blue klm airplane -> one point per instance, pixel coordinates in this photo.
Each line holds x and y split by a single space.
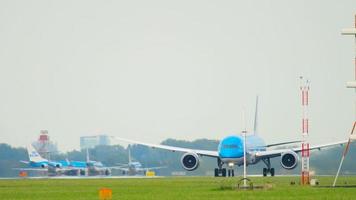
230 152
38 163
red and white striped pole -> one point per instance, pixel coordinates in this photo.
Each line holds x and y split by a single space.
304 89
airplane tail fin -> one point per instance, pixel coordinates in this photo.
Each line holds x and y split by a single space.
255 124
87 156
34 156
128 147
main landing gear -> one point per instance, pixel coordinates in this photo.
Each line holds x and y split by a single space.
221 172
230 172
268 169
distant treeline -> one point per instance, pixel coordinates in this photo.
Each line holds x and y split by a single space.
322 162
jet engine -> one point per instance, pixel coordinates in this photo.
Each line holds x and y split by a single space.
289 160
55 164
43 165
107 172
190 161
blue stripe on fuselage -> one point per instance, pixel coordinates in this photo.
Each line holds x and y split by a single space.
76 164
38 164
63 163
232 146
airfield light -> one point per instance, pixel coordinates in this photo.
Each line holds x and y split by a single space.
23 174
231 164
150 173
105 194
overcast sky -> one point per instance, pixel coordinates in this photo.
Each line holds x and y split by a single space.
151 70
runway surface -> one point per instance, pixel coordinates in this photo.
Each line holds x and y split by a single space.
83 177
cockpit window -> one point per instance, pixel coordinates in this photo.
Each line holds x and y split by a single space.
230 146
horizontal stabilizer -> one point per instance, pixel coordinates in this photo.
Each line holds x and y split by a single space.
25 162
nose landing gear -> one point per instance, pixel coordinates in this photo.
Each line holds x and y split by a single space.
221 172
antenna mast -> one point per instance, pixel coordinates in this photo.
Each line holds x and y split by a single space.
304 89
244 135
350 84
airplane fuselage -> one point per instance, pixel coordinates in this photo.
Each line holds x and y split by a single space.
134 168
43 164
231 149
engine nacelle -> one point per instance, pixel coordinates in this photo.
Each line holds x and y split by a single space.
43 165
190 161
56 164
289 160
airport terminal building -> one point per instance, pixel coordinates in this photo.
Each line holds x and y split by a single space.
87 142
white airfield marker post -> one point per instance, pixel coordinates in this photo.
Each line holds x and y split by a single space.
245 174
244 136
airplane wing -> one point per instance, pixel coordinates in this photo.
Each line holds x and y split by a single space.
153 168
121 165
278 144
174 149
31 169
148 169
283 143
120 168
279 152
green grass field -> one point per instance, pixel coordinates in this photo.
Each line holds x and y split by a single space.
173 188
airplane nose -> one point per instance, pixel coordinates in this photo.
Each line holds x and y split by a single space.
236 153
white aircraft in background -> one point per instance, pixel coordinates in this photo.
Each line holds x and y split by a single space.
96 168
135 167
230 152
